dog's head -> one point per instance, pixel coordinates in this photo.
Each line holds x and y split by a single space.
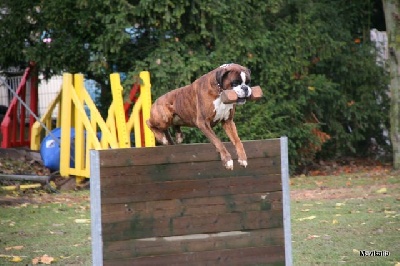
234 77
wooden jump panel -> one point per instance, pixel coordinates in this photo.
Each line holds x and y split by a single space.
177 205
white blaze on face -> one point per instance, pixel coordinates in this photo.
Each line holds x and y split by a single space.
221 110
243 76
238 89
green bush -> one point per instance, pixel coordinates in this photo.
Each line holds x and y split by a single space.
321 89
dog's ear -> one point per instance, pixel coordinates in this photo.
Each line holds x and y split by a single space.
220 75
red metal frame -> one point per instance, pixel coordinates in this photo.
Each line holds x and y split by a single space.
132 99
13 127
135 90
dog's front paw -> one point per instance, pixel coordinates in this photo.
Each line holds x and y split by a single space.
243 163
229 165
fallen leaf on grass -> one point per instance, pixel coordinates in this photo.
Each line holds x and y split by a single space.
60 233
82 221
334 221
12 258
45 259
14 247
307 218
381 191
389 212
312 237
16 259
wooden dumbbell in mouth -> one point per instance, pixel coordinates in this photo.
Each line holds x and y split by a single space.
230 96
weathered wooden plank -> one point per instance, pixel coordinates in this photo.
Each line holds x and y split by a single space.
192 243
268 255
184 153
140 227
191 207
173 205
183 189
126 176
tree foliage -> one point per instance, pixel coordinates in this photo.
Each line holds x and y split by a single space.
319 83
392 18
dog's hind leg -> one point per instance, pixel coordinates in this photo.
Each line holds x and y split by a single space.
159 122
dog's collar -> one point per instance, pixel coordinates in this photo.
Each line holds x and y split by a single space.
220 88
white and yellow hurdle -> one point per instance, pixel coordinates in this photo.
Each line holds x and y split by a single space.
114 132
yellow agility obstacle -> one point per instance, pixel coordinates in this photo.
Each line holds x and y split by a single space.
93 132
140 111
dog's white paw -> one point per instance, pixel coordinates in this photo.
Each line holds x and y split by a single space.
179 138
243 163
229 165
164 141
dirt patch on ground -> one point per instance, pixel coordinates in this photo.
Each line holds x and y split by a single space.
347 166
40 197
358 192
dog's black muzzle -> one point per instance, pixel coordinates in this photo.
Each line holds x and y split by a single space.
246 90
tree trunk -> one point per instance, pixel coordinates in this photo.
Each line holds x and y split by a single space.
392 18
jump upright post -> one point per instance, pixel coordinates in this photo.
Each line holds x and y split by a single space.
177 205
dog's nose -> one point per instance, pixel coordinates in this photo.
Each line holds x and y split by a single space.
245 89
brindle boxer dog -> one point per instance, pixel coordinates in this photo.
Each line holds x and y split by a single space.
199 105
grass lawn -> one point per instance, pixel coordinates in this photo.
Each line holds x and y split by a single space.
337 217
333 219
56 225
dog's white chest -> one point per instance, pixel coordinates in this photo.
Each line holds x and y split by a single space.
221 110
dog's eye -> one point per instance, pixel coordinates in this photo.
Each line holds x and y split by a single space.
235 83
